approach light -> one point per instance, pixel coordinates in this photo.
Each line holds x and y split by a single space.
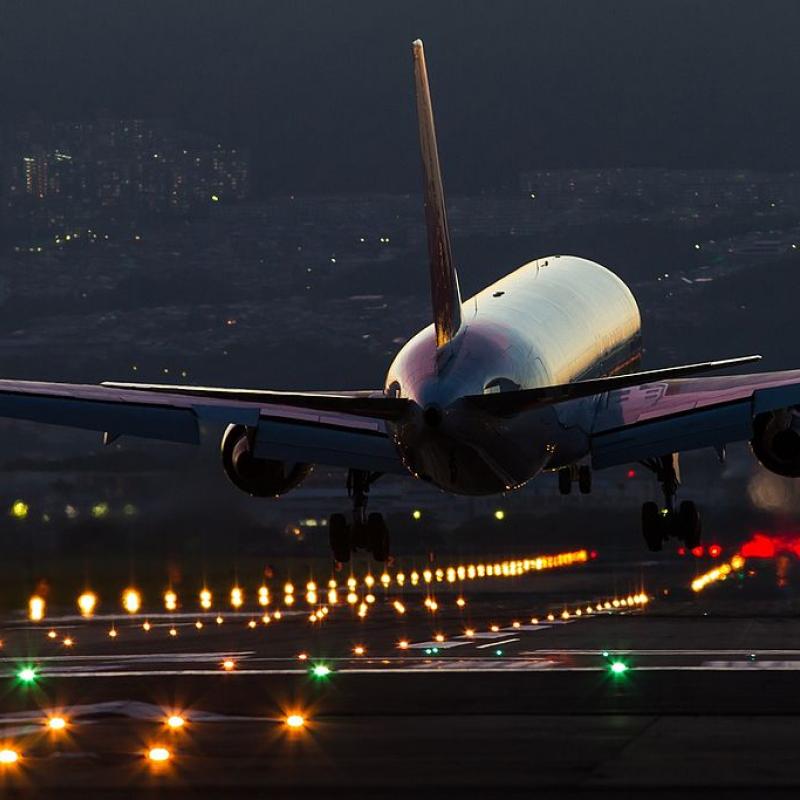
205 599
8 757
170 601
321 671
237 597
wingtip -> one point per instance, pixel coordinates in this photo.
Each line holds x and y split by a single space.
417 46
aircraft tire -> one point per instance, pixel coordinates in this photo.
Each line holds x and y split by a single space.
652 527
378 537
564 481
689 524
585 479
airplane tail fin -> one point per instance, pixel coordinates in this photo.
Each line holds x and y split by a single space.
445 294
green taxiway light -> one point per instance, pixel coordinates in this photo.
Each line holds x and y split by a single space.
321 671
27 674
498 652
618 667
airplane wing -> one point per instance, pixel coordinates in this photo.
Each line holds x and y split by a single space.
338 429
652 419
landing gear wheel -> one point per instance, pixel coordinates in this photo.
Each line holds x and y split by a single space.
689 524
565 480
378 537
339 535
585 479
652 527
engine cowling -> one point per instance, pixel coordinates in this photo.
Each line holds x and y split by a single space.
776 441
259 477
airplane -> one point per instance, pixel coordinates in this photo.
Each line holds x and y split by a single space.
536 373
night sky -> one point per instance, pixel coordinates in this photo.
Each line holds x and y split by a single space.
321 91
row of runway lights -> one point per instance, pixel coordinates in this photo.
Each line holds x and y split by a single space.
720 573
88 601
616 604
157 753
160 753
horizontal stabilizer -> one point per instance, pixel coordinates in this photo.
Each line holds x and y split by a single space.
364 404
507 403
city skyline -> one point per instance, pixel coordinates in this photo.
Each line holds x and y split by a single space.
535 84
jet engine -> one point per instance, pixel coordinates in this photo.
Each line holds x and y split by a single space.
259 477
776 441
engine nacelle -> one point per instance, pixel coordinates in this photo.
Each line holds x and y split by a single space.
259 477
776 441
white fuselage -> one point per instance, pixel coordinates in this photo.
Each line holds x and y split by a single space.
552 321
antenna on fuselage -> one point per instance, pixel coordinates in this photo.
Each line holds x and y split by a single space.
445 294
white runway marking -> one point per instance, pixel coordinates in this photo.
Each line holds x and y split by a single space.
495 644
441 645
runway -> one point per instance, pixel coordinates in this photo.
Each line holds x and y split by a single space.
600 678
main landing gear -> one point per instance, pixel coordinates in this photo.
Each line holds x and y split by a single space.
582 475
659 524
367 531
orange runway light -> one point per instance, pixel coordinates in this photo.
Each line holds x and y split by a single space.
159 755
229 665
131 601
295 721
112 633
359 650
52 635
36 608
237 597
56 723
403 644
8 757
175 722
87 603
302 656
170 601
146 626
173 631
205 599
68 641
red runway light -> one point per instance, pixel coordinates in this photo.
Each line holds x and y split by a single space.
681 551
631 473
698 551
714 551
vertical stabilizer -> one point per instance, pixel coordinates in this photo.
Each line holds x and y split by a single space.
445 294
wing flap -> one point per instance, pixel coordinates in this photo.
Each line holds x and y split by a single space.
507 403
678 415
340 444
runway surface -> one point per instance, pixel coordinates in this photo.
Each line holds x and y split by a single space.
595 678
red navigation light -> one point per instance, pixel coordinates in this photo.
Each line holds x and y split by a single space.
714 551
631 473
681 551
593 554
698 551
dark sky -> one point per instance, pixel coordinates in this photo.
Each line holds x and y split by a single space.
322 93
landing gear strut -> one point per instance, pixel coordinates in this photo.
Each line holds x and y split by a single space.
659 524
366 531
